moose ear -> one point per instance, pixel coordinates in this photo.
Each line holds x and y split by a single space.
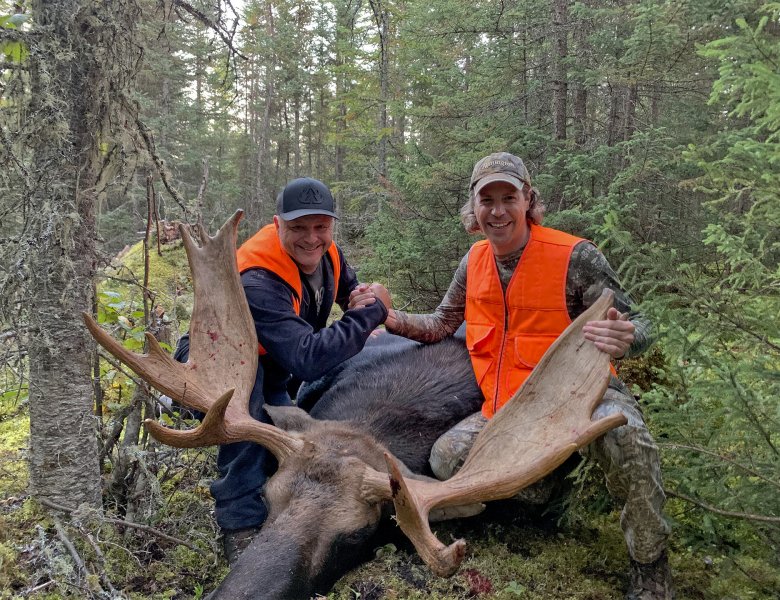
289 418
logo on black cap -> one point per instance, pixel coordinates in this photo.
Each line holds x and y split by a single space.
311 196
305 196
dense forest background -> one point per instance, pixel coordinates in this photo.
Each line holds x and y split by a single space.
649 126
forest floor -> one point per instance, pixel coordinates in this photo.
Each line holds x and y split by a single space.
511 553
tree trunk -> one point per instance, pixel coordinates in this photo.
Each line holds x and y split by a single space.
613 120
265 128
560 88
580 109
345 26
580 101
382 19
630 117
71 68
296 167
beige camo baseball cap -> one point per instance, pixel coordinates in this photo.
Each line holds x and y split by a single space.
499 166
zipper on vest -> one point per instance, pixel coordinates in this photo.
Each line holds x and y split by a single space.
500 359
505 298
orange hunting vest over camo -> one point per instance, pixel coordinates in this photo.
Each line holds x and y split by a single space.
264 250
507 334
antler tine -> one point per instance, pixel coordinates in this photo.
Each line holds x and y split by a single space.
156 367
219 375
543 424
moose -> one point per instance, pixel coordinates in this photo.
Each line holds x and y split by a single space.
362 450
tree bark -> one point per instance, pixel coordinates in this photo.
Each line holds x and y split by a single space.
580 91
560 87
70 95
630 113
382 20
265 128
345 26
613 120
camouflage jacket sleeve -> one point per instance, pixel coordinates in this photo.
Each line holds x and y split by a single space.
444 321
589 273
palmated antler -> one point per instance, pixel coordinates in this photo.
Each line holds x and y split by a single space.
220 373
536 431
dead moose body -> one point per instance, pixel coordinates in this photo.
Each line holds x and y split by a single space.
395 396
375 417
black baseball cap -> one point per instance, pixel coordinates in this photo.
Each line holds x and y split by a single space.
305 196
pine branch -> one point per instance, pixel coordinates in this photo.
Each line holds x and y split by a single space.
159 162
731 461
218 29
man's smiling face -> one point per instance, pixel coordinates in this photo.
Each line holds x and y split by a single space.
500 209
306 239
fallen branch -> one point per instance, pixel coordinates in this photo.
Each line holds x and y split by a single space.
102 561
124 523
80 566
722 512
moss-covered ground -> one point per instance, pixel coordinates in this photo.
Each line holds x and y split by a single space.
512 553
516 554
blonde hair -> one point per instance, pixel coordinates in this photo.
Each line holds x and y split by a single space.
535 212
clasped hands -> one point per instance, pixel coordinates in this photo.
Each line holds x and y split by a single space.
366 294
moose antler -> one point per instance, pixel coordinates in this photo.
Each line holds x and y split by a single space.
220 373
543 424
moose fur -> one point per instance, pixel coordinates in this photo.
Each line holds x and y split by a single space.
396 395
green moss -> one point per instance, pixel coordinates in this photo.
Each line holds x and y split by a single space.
8 559
169 281
14 434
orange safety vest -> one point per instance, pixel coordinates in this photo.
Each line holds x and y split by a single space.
507 333
264 250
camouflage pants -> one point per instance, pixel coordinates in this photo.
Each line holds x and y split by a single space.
627 455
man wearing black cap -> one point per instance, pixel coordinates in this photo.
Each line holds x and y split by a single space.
517 291
292 273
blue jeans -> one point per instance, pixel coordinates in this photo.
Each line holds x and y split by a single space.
244 467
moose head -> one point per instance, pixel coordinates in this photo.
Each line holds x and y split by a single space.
335 479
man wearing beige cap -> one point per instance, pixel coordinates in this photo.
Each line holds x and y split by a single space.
517 291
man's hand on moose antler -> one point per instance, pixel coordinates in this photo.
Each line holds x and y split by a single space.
613 336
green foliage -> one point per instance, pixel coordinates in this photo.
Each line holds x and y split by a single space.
13 51
120 304
716 303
